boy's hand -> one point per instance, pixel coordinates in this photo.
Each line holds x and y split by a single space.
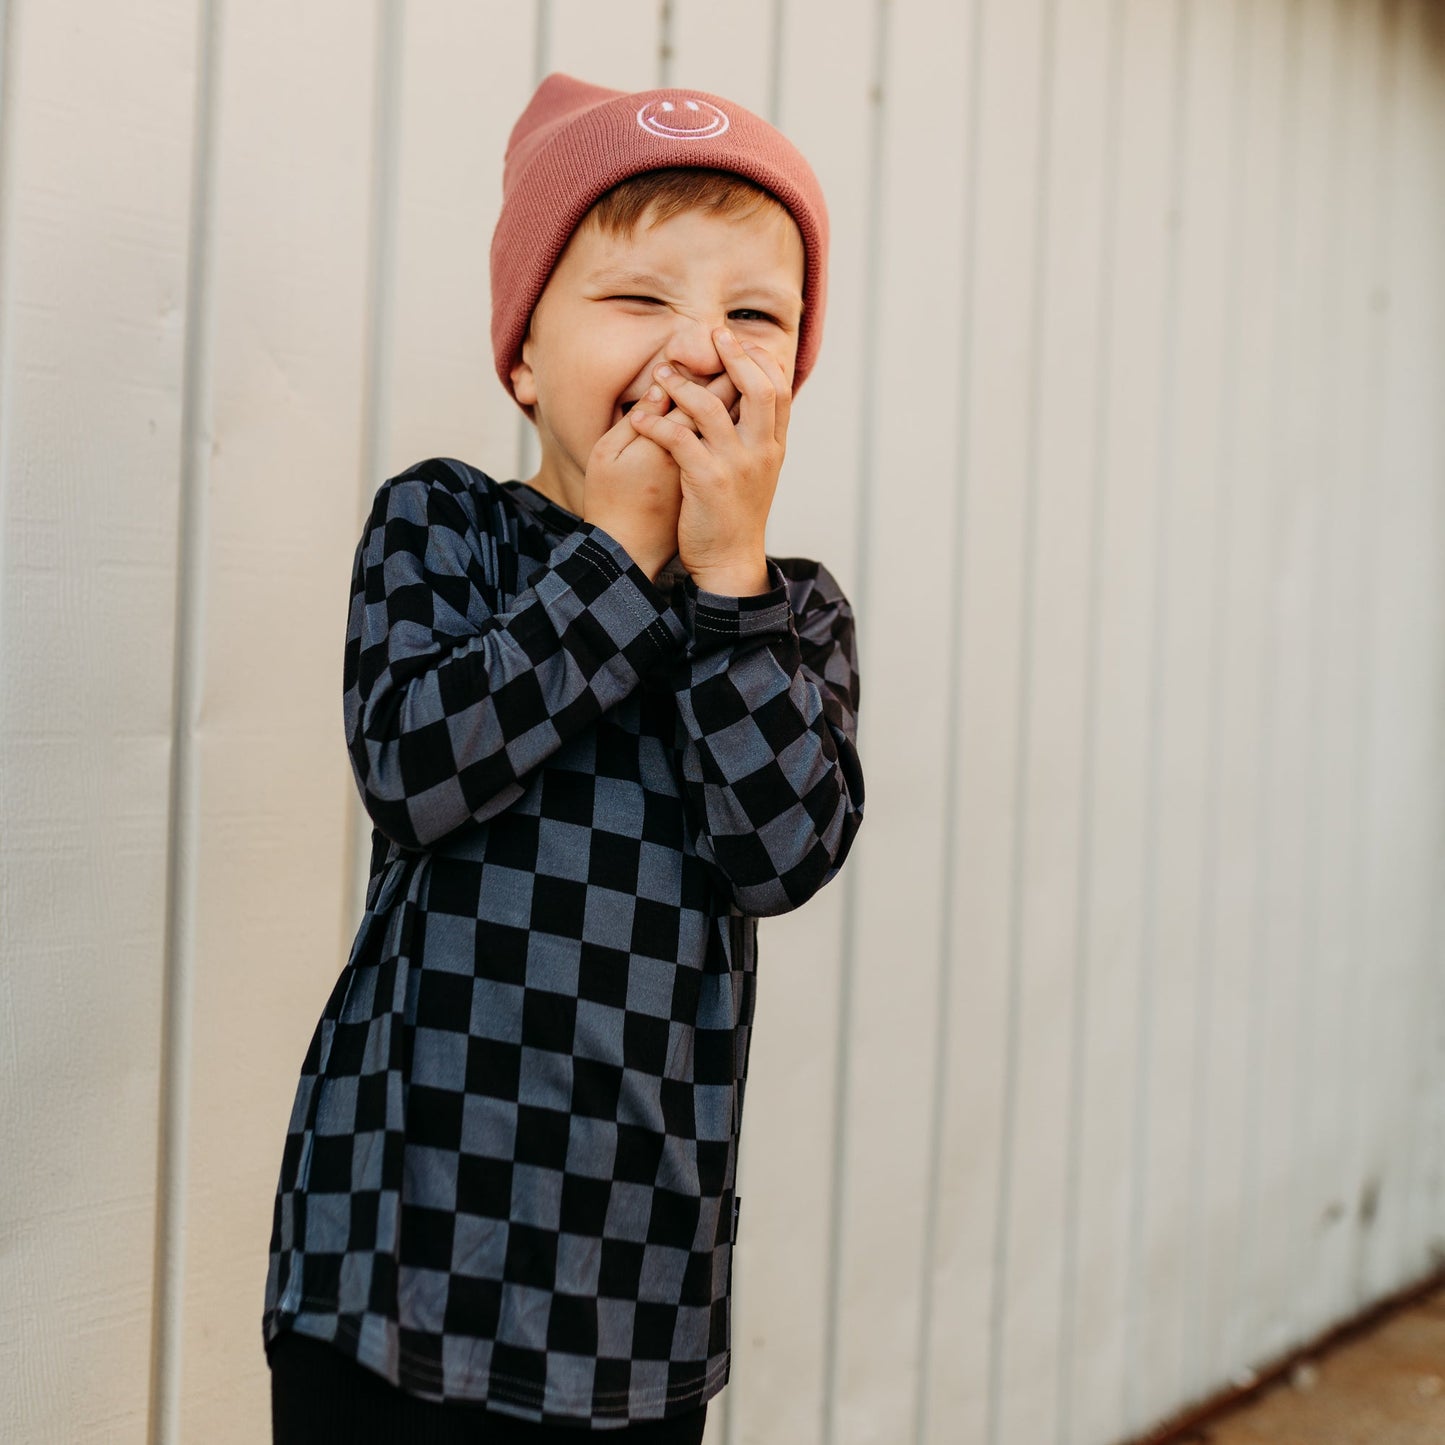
729 470
632 489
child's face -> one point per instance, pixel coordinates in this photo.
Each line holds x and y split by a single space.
615 307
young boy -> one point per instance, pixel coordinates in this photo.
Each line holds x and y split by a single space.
599 734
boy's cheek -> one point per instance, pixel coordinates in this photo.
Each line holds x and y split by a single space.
788 359
784 357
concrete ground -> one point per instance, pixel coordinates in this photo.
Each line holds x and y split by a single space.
1385 1386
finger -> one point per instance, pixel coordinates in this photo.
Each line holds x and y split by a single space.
725 389
657 401
757 378
706 408
673 435
782 388
622 434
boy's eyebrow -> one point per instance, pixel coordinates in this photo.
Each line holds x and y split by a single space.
620 276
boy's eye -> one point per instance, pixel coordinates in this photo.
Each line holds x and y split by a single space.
640 300
747 313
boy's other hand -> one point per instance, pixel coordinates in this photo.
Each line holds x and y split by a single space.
632 489
728 463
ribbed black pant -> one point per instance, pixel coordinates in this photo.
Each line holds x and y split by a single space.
320 1396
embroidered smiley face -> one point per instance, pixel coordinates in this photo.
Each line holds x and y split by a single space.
683 118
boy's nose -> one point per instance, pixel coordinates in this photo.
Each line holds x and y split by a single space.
692 349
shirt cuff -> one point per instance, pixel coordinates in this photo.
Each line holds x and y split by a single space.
714 621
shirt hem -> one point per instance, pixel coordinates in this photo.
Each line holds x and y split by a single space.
503 1393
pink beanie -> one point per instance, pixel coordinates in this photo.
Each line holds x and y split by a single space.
575 141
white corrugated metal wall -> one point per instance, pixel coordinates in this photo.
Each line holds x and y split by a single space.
1114 1064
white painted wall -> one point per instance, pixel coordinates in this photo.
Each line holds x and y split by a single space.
1114 1065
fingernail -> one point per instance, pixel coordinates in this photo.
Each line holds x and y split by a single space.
723 334
663 370
654 393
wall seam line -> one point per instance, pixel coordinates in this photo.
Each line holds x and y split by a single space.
848 959
1083 893
178 968
7 184
664 43
1222 544
1148 964
777 24
1264 830
1382 241
948 843
1023 708
1324 485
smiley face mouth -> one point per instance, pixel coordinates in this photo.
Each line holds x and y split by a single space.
696 120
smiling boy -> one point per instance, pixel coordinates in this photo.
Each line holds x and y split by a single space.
599 733
639 318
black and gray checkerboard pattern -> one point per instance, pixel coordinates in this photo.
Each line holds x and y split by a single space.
510 1169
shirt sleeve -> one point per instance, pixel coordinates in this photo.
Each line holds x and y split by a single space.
768 718
449 703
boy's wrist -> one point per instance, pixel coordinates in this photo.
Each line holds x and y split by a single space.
742 579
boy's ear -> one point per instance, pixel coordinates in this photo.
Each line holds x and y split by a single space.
524 383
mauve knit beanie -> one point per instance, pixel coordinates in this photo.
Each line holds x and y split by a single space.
575 141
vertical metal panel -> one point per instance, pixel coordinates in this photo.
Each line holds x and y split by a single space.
1426 1230
1032 1366
1315 726
1405 730
1284 727
289 274
1353 417
1209 508
920 512
95 177
1194 215
1089 151
1028 1233
1004 143
1231 1134
1115 905
1379 453
177 1042
881 1168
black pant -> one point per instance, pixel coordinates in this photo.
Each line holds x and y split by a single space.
320 1396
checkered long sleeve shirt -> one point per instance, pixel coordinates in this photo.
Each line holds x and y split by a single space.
509 1172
